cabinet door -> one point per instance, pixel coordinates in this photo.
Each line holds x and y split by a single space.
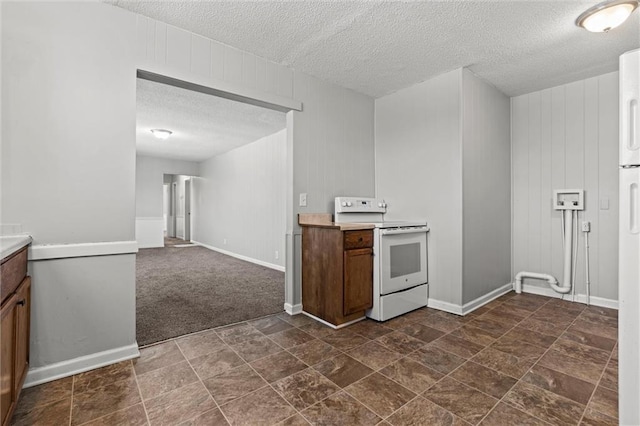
358 280
7 357
23 317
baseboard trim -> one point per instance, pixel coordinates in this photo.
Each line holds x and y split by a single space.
444 306
335 327
579 298
293 309
526 288
483 300
64 251
59 370
241 257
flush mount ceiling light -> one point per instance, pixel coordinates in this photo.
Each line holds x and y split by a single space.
161 133
606 15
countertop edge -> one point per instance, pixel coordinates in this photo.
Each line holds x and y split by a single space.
340 226
324 220
10 244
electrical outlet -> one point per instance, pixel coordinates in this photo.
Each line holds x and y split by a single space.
277 255
586 226
303 199
224 241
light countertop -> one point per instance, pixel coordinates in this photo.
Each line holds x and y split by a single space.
324 220
10 244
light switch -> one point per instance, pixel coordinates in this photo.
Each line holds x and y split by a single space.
604 203
303 199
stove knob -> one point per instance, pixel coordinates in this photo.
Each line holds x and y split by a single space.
344 204
348 203
379 204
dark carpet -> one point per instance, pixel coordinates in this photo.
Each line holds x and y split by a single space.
184 290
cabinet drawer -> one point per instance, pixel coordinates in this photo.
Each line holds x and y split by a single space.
12 272
358 239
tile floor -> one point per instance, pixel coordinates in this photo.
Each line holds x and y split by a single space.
522 359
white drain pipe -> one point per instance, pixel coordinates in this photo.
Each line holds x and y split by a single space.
521 275
568 257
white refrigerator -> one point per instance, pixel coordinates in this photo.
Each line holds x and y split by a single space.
629 242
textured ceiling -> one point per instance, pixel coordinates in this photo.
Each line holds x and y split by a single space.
202 125
378 47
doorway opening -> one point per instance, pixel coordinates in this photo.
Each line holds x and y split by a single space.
211 212
176 206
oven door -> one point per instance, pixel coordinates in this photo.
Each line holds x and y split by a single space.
403 258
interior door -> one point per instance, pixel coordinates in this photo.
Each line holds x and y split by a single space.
166 200
187 210
171 223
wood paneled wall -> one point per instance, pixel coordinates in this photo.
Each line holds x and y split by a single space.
442 154
238 202
566 137
191 54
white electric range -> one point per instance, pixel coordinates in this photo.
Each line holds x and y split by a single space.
400 280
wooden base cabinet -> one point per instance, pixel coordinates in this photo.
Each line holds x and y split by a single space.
14 340
337 273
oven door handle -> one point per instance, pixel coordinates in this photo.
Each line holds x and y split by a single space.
396 231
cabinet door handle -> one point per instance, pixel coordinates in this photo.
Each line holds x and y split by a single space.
21 302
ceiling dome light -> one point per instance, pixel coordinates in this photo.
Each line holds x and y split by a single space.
161 133
606 16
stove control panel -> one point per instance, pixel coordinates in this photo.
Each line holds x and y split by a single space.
359 205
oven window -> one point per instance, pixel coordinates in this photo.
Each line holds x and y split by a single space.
404 259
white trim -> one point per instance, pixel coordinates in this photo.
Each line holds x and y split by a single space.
49 373
597 301
241 257
293 309
62 251
444 306
483 300
579 298
160 73
335 327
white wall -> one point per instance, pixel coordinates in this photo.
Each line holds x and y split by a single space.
442 151
239 201
566 137
419 171
486 182
68 174
82 314
68 139
71 68
150 173
330 148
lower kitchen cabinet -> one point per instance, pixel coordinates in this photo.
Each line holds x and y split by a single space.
14 340
358 280
337 273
